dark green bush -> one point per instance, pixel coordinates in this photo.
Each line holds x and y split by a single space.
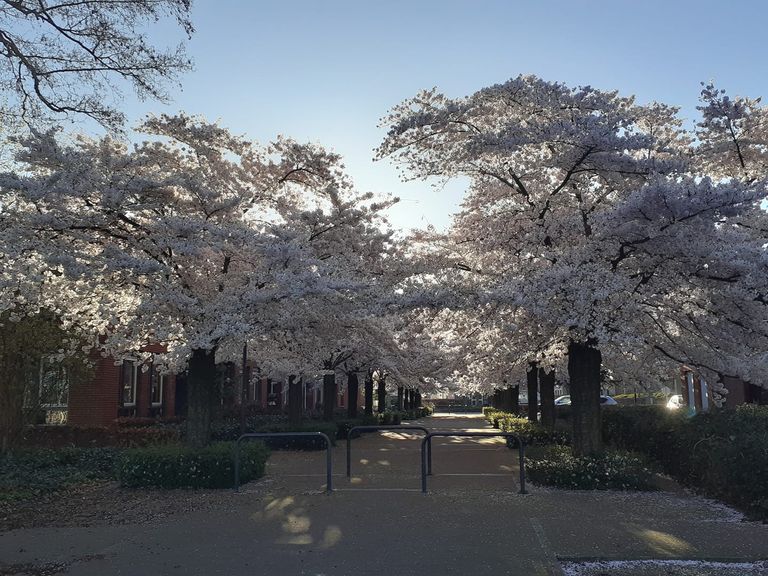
225 429
176 466
530 432
123 436
309 443
343 426
229 430
615 470
390 418
490 414
30 471
723 453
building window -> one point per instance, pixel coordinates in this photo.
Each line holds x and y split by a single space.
54 385
272 399
129 377
156 387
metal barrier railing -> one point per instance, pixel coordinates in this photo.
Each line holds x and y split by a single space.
328 459
427 441
375 429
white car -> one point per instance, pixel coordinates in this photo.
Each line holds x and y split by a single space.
675 402
604 401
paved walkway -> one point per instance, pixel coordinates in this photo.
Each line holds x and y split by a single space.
471 523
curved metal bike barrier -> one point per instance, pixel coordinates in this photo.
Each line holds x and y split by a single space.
328 459
427 441
375 429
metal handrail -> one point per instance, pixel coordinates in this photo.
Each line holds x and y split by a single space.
328 459
375 429
427 441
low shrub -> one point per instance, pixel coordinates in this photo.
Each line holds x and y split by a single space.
306 443
113 436
391 418
532 433
615 470
723 454
135 421
492 414
31 471
134 437
343 426
176 466
228 429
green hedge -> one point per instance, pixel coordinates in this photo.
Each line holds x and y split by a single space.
344 425
615 470
531 432
176 466
312 443
31 471
229 430
723 453
124 436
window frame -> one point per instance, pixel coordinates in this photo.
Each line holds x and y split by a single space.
160 380
134 380
40 395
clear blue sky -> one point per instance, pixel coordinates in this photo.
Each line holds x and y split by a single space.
327 70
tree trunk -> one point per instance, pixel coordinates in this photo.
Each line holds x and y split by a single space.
201 393
11 400
244 390
368 391
382 395
509 399
352 394
584 363
532 377
295 400
496 399
400 398
547 386
417 399
329 396
514 400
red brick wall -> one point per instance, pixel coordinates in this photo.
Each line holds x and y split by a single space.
169 396
97 402
264 392
142 392
94 402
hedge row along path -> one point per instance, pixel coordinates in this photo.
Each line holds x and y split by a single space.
471 522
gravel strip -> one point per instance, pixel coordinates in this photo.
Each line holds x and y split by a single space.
106 503
665 568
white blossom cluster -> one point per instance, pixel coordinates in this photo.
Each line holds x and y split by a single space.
592 219
197 239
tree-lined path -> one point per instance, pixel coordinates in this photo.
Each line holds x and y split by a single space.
478 524
390 460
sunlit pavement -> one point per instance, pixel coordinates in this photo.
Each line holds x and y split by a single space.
471 522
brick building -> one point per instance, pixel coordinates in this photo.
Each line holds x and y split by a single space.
131 389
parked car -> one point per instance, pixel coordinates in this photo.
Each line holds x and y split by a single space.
604 401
